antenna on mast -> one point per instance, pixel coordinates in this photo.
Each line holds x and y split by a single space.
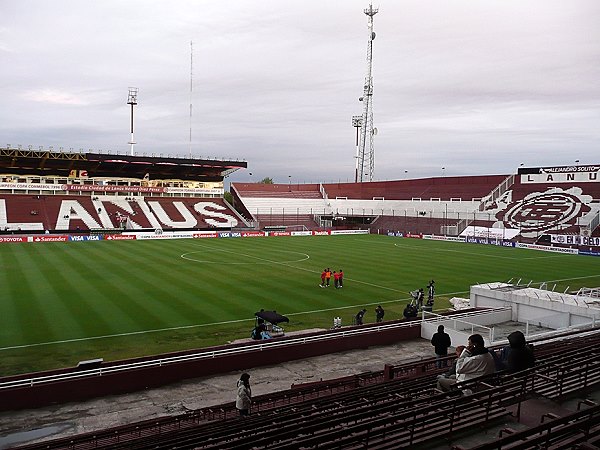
191 89
366 149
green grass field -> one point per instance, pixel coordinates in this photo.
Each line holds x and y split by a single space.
65 302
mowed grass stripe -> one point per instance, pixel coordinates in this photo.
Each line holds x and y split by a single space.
212 291
11 309
108 309
529 265
29 295
132 297
157 289
162 285
110 292
67 301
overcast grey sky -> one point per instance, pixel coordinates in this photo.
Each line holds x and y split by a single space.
475 86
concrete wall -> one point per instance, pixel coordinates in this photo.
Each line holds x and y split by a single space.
459 330
131 380
551 310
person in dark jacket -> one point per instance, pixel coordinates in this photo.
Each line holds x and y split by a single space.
358 319
441 342
518 355
379 313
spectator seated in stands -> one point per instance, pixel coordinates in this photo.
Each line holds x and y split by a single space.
451 372
474 361
517 356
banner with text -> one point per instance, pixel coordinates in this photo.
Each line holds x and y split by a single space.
489 233
570 239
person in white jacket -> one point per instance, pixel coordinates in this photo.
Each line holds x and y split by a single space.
475 361
244 395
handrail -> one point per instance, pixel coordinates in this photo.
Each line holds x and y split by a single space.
263 345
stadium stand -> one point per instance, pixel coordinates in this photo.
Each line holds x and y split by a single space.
395 408
85 212
538 208
535 201
443 188
71 191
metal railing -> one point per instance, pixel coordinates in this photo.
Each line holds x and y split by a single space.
263 345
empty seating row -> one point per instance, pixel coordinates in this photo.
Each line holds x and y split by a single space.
80 212
568 432
359 411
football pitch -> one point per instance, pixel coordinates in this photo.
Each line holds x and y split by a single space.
61 303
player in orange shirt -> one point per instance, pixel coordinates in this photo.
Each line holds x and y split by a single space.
327 277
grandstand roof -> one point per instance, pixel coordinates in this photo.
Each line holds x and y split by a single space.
50 163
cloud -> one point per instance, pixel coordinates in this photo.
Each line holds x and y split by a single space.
476 87
53 96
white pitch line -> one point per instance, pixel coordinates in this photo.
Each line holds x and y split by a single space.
247 320
302 268
184 327
132 333
480 254
574 278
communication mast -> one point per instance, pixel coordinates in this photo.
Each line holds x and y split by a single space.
191 89
132 100
365 158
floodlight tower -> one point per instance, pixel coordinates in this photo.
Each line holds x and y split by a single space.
366 150
132 100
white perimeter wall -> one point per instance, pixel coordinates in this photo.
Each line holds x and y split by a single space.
536 306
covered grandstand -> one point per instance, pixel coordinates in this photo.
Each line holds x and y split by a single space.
47 191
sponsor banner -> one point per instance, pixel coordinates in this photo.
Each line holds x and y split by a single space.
301 233
392 234
349 232
176 190
32 186
582 252
95 237
320 233
163 235
4 239
414 236
435 237
119 237
50 238
142 237
545 248
489 233
280 233
185 235
570 239
254 234
106 188
208 234
563 169
229 234
486 241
